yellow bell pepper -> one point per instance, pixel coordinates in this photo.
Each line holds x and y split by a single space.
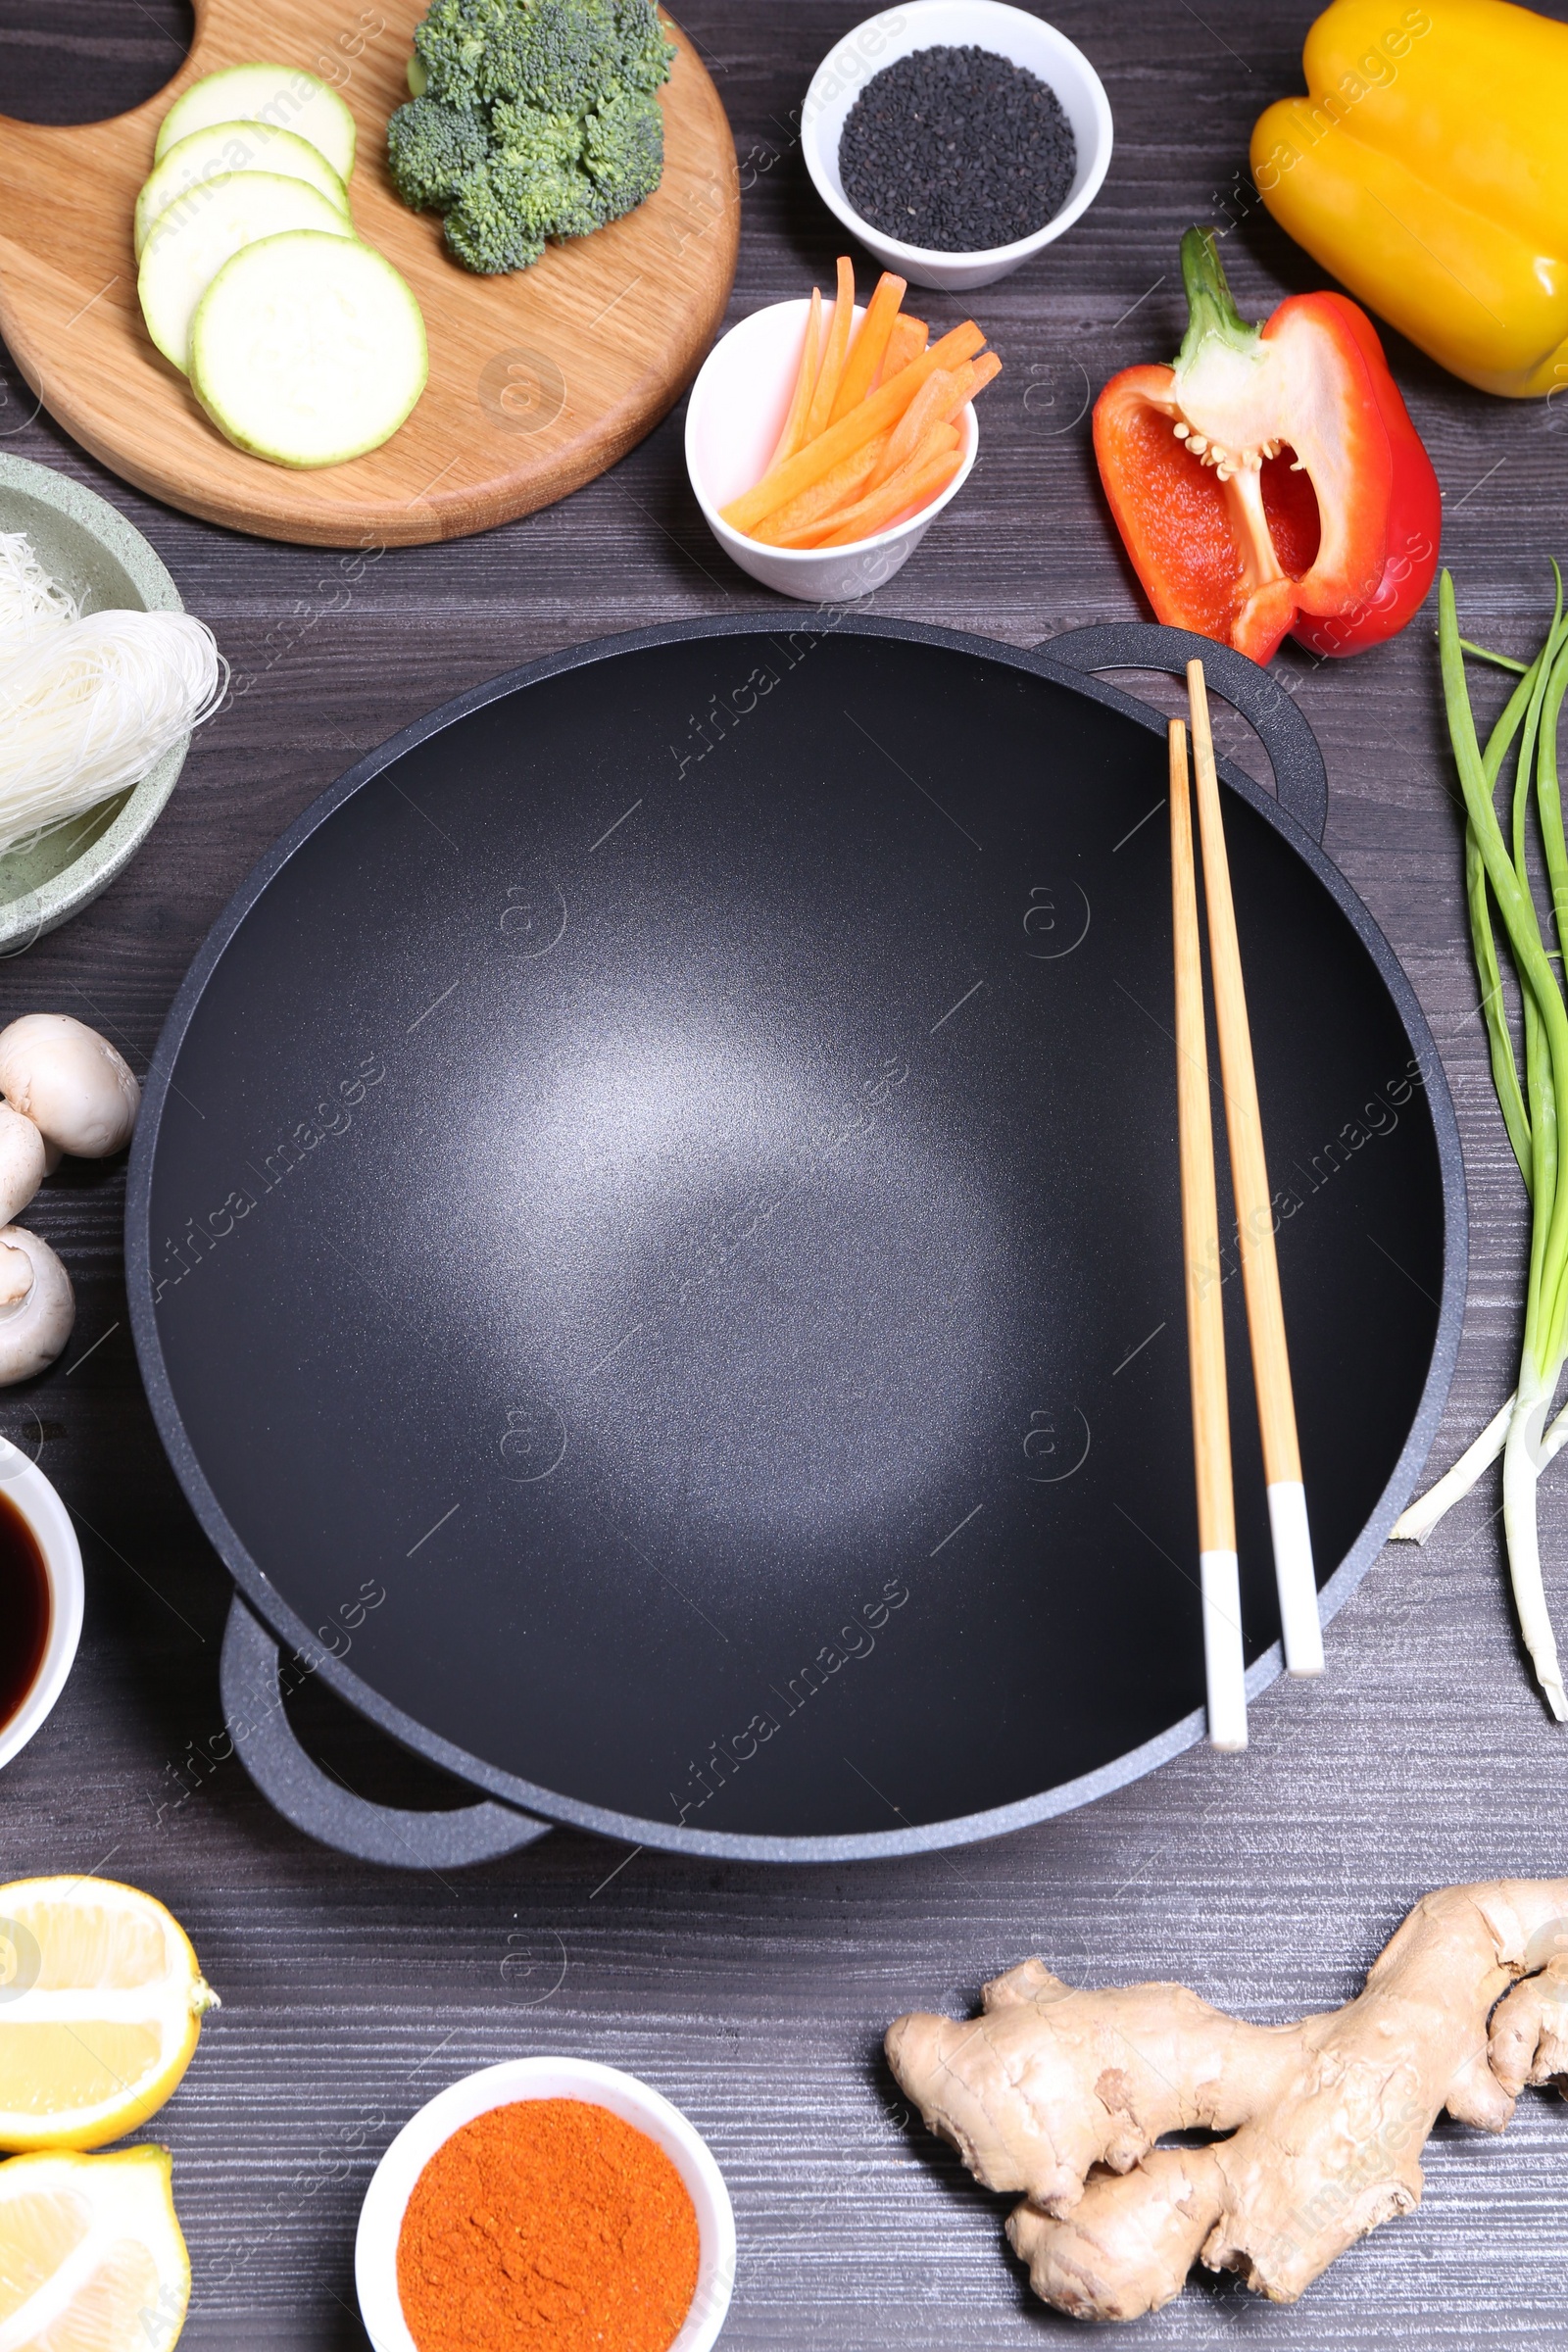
1428 170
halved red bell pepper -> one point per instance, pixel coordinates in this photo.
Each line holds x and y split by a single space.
1271 481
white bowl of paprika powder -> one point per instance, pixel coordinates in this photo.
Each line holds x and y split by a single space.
546 2205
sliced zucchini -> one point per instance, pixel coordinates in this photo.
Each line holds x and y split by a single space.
284 96
192 163
187 248
307 348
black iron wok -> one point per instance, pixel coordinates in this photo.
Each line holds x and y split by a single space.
654 1242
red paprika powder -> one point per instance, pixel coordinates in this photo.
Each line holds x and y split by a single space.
548 2225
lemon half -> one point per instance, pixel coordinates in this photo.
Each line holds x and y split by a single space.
100 2002
91 2255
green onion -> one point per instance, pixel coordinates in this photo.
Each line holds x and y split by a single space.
1484 654
1496 874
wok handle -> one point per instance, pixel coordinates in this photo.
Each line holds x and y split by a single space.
265 1742
1299 776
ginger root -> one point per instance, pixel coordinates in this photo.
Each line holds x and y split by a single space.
1064 2094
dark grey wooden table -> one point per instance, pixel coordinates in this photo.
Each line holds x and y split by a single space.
756 1998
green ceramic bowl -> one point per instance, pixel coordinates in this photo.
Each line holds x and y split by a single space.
80 540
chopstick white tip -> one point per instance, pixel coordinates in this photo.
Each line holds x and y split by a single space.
1300 1622
1223 1661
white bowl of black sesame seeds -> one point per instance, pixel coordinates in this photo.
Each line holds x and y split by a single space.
934 115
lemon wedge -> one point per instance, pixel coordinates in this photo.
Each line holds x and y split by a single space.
100 2005
91 2255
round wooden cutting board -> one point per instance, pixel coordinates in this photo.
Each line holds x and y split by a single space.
539 379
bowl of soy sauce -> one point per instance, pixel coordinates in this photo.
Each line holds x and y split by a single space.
40 1599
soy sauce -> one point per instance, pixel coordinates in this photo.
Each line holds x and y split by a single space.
26 1609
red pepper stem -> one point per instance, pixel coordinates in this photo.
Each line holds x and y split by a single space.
1211 304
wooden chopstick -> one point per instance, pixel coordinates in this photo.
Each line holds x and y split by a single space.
1218 1575
1300 1622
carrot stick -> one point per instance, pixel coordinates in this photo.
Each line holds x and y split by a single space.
908 340
831 373
840 488
982 371
817 528
939 400
943 440
907 513
906 493
881 409
869 344
930 405
794 432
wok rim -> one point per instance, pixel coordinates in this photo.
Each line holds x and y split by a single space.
548 1806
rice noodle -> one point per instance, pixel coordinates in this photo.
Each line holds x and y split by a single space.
88 703
29 600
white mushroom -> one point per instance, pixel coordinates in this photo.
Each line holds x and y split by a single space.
15 1276
70 1082
23 1162
35 1318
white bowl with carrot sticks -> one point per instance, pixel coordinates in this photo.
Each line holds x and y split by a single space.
823 439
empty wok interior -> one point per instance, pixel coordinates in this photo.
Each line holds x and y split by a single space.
665 1229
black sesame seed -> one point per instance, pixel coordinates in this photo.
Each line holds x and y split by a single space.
957 150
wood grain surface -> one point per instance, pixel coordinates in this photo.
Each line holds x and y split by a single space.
539 378
754 1997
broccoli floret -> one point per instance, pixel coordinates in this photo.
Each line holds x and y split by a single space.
644 56
554 53
452 42
489 228
506 211
531 118
624 149
432 148
551 141
545 152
